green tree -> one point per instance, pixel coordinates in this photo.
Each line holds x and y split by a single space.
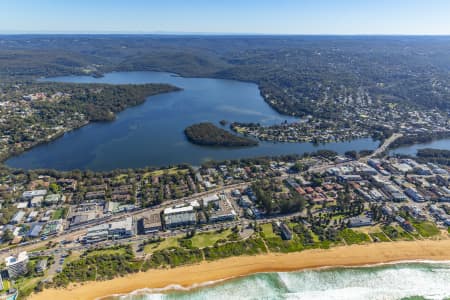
54 188
8 235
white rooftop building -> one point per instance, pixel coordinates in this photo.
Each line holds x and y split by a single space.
114 230
210 199
178 216
17 265
22 205
34 193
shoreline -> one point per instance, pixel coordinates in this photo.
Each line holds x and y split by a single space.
177 288
201 274
57 136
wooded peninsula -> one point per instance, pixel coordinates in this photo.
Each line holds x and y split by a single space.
40 112
207 134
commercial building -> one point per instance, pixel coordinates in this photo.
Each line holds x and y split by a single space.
121 229
81 218
96 234
222 212
53 227
17 265
113 231
179 216
31 194
211 199
150 224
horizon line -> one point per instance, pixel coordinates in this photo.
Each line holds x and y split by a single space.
181 33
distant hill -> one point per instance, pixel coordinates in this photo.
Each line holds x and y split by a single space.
321 76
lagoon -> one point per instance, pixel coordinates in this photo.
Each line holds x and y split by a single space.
411 150
151 134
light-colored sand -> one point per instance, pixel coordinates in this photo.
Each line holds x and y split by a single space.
239 266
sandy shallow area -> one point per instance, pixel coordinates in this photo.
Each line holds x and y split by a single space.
187 276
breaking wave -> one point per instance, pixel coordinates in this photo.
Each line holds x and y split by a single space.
417 280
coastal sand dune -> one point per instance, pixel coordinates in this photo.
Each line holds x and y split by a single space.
438 250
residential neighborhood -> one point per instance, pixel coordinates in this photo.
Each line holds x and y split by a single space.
387 198
366 121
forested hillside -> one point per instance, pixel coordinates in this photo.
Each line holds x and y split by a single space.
322 76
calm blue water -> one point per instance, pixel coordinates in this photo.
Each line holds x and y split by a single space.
152 133
412 150
388 282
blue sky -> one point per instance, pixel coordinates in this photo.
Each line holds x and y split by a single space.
226 16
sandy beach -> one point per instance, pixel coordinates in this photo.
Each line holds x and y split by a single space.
355 255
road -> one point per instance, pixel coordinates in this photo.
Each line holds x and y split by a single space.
79 231
379 150
76 232
383 147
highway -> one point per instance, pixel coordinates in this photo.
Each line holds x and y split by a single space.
80 230
383 147
379 150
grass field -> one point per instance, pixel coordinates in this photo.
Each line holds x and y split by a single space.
72 257
277 244
60 213
379 236
396 233
6 285
166 171
426 229
26 285
168 242
203 240
268 231
353 237
106 252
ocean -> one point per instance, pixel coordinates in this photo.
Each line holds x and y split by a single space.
414 280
